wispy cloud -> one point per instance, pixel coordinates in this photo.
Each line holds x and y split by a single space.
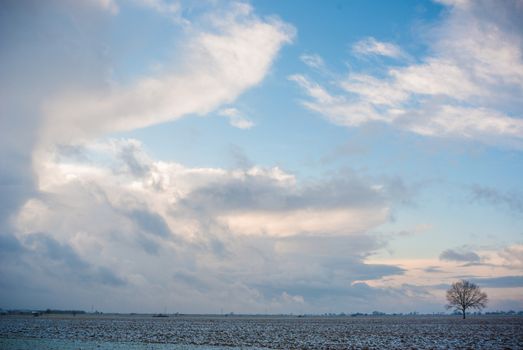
236 119
461 91
313 60
372 47
219 65
485 194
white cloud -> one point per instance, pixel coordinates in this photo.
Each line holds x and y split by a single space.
313 60
374 90
338 109
139 227
472 123
254 201
469 88
305 221
219 65
315 90
371 46
436 77
241 123
236 119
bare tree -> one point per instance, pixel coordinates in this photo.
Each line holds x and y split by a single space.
463 295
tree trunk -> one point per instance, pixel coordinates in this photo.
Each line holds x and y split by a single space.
463 313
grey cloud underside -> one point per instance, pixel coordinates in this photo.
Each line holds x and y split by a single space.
192 281
150 246
150 222
70 264
433 269
274 277
500 282
460 256
260 193
311 267
135 162
253 264
215 263
9 245
40 254
329 282
347 189
316 291
485 194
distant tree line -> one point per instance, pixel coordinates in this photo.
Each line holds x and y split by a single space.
42 312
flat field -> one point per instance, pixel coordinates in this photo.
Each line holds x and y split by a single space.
260 332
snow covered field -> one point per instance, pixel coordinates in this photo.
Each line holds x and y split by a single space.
248 332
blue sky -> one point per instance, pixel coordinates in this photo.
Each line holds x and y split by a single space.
288 156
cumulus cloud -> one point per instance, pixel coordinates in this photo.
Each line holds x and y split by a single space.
468 88
262 201
172 229
249 201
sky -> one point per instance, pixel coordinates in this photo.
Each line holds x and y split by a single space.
260 157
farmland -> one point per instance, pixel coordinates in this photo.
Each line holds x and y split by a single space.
272 332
